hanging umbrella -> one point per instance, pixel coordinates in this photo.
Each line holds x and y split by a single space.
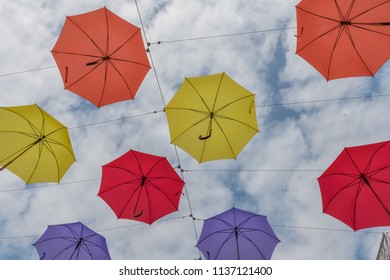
141 187
34 145
355 187
73 241
212 117
101 57
344 38
237 235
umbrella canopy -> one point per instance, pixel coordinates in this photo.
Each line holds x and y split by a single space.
237 235
101 57
212 117
73 241
34 145
141 187
355 187
344 38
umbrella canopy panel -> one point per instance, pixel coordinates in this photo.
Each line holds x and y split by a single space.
355 187
34 145
101 57
344 38
237 234
73 241
212 117
141 187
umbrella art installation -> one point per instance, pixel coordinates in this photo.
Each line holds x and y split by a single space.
141 187
34 145
212 117
344 38
355 187
101 57
237 235
73 241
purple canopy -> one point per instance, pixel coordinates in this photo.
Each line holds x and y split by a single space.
237 235
72 241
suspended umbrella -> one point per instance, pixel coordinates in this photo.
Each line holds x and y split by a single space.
355 187
212 117
73 241
344 38
101 57
237 235
34 145
141 187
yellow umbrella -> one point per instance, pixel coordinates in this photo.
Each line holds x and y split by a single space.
212 117
34 145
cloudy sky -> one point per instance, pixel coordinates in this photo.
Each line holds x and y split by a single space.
304 123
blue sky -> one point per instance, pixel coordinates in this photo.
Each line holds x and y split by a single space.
295 144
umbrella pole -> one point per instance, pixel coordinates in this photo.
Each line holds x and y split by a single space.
19 155
236 235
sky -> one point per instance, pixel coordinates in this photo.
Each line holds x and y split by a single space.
304 122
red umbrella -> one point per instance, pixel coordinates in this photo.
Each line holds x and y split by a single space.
101 57
141 187
344 38
356 187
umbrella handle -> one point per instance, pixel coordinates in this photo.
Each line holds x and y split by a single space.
300 34
205 137
139 214
43 256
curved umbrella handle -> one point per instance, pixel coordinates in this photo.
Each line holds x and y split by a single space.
43 256
136 215
300 34
205 137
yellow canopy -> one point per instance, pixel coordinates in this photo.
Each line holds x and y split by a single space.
212 117
33 145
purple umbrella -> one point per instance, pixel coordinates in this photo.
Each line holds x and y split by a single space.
237 235
72 241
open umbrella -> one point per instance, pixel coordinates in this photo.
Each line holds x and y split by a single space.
101 57
355 188
344 38
237 235
73 241
141 187
34 145
212 117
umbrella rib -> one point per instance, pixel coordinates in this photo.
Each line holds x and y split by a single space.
356 50
191 126
350 184
217 93
104 81
318 15
238 121
199 95
86 34
318 37
368 10
254 244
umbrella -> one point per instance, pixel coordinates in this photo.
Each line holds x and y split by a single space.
237 235
101 57
73 241
212 117
355 188
344 38
141 187
34 145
